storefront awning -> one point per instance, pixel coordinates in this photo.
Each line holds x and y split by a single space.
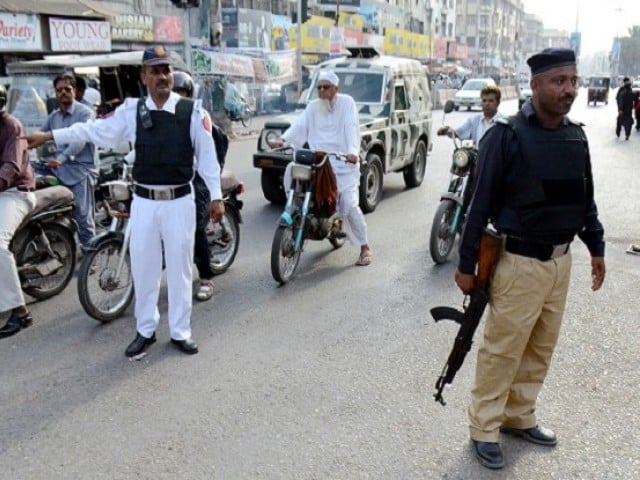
67 8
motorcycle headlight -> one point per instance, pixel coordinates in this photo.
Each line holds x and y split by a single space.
118 190
300 172
460 158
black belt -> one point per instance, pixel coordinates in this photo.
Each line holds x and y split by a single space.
162 193
25 189
541 251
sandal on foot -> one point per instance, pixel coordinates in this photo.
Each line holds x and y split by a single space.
364 259
205 290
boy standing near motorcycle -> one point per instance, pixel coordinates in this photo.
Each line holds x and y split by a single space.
476 126
330 124
17 200
169 132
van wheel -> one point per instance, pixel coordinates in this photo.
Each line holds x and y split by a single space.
371 183
414 173
272 187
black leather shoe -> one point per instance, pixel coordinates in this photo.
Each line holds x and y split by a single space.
139 345
489 454
187 346
537 434
15 324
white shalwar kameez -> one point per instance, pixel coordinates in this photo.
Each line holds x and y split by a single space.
335 129
158 223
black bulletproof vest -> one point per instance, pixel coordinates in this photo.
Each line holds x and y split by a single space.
549 191
164 152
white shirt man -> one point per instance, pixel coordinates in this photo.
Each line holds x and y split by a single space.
330 123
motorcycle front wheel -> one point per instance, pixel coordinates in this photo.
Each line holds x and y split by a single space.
284 258
246 119
32 255
223 239
103 294
442 235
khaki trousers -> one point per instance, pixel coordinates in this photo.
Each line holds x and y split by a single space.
527 301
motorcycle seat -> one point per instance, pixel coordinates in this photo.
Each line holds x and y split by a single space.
47 196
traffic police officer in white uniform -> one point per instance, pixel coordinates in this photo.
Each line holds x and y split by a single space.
168 132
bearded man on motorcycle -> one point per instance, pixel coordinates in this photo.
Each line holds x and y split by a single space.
475 127
17 200
330 124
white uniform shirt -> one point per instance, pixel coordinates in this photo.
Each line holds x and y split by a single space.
335 130
121 126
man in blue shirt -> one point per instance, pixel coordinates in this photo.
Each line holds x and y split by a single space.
475 127
74 164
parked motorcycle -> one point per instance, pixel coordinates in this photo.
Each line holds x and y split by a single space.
242 114
44 245
451 212
105 284
302 219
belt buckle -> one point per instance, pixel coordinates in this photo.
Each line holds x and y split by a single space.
164 194
559 250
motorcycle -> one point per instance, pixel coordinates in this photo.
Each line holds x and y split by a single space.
105 284
243 114
44 245
302 219
451 212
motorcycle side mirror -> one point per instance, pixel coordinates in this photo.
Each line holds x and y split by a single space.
449 106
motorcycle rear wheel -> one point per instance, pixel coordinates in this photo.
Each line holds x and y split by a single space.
31 252
284 260
223 239
102 296
442 236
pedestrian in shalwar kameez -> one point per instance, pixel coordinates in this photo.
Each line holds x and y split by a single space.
330 124
534 183
167 132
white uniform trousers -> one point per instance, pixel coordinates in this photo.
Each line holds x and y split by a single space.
354 224
154 224
14 206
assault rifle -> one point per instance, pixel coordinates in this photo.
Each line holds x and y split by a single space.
490 246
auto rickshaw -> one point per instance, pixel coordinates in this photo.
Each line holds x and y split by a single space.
598 90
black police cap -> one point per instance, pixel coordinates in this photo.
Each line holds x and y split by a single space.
551 58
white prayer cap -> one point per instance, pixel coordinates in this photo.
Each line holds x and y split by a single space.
329 76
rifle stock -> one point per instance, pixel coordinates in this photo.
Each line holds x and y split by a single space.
488 255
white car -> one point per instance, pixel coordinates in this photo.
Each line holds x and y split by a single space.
524 94
469 95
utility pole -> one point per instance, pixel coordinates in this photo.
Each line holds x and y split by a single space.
299 47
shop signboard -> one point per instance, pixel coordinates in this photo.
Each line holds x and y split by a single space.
254 29
75 35
280 25
315 35
440 48
20 32
132 28
168 29
336 38
225 64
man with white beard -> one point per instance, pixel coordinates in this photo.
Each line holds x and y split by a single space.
330 124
